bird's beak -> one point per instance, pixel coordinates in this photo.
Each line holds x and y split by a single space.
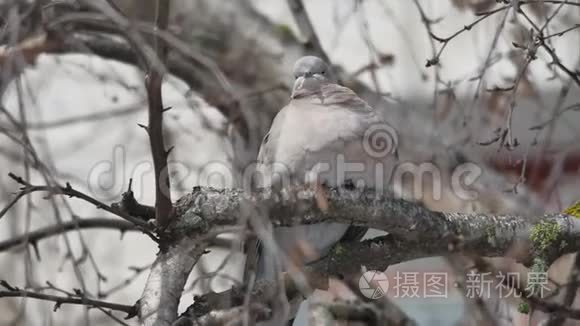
315 76
318 76
298 84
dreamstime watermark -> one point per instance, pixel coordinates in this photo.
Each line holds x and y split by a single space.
372 165
376 284
380 140
109 178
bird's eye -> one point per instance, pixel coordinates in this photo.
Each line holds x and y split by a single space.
323 72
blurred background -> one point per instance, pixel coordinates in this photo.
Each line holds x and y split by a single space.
461 80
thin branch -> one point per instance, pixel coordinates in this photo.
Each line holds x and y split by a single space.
383 60
153 82
562 32
427 22
136 270
555 59
445 40
89 118
129 205
312 41
78 299
68 190
90 223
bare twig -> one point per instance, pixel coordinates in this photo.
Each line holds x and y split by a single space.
312 41
129 205
78 299
445 40
33 237
153 82
136 272
555 59
68 190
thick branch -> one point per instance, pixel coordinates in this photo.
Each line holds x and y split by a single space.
419 231
424 232
160 299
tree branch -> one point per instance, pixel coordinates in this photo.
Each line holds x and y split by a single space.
160 299
305 25
78 299
68 190
414 232
80 223
491 235
378 312
153 82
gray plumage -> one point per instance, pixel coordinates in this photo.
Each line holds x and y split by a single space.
320 129
310 65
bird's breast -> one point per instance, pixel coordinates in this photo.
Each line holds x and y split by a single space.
326 144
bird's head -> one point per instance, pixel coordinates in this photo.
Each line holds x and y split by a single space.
311 67
309 73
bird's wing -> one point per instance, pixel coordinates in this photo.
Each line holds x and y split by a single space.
334 94
269 144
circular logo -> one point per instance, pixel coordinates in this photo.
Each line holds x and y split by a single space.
373 284
380 140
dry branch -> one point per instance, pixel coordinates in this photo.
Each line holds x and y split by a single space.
68 190
153 82
33 237
414 232
205 209
78 299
